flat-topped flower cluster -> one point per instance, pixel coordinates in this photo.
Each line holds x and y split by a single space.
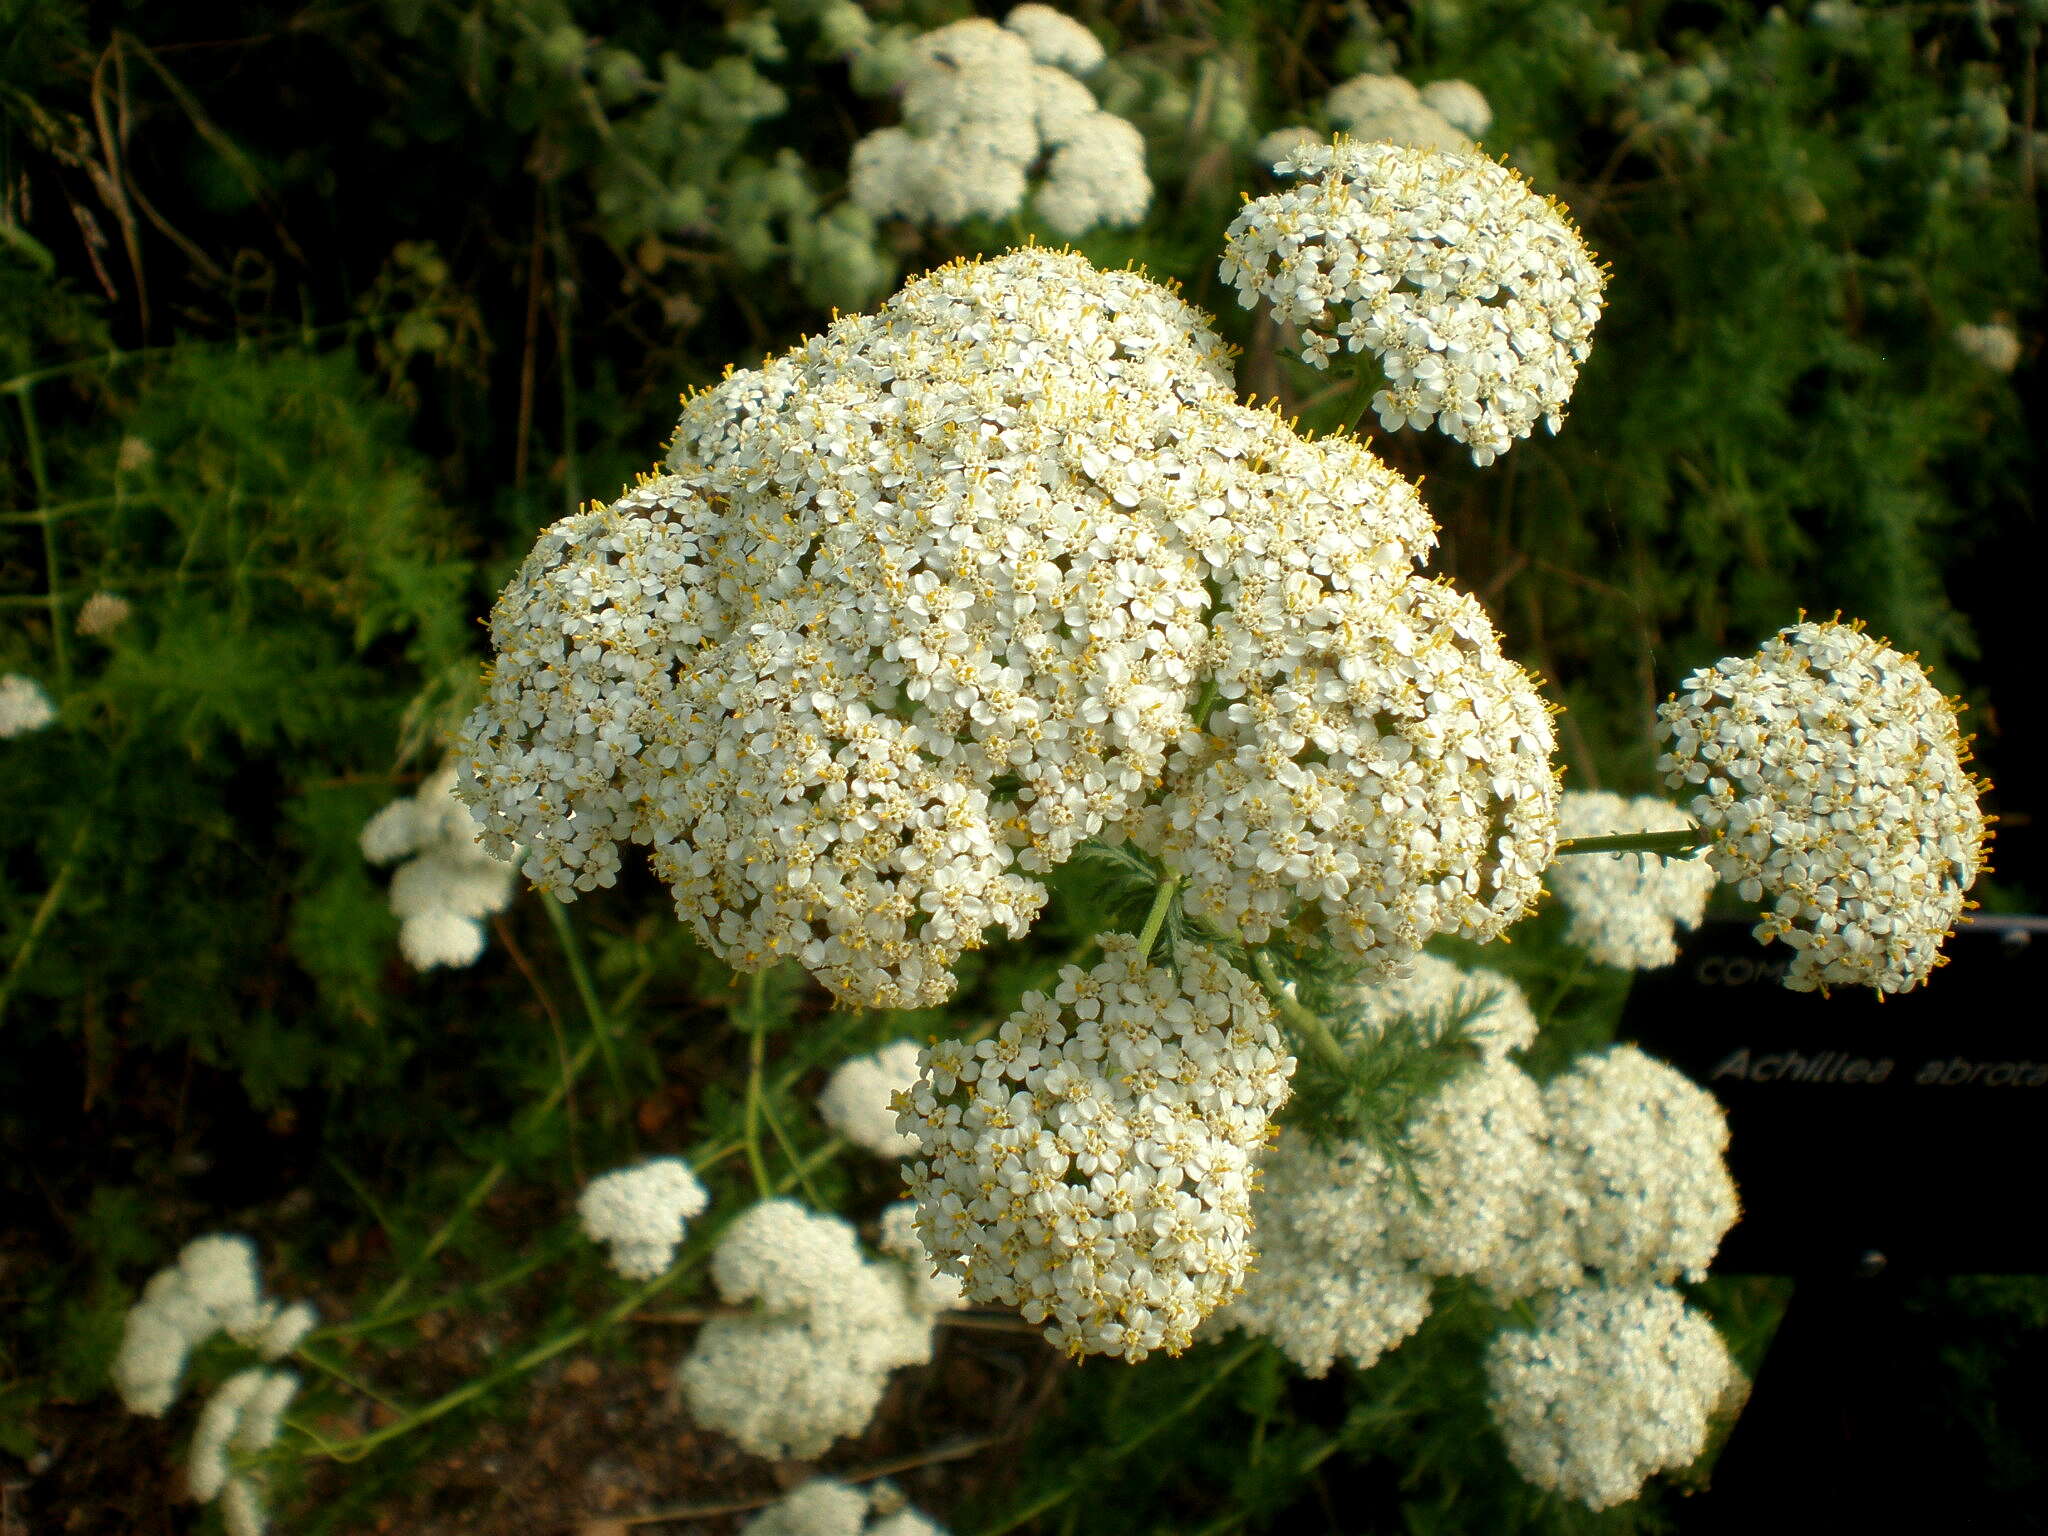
928 601
1828 773
1625 907
1476 295
1092 1163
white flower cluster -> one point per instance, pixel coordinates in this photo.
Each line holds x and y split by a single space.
1637 1152
1996 346
1477 296
1613 1384
983 104
1615 1168
1828 772
640 1211
857 1100
241 1418
1387 108
24 707
811 1362
1376 756
1091 1163
213 1288
102 613
449 880
1348 1245
1625 907
927 603
824 1506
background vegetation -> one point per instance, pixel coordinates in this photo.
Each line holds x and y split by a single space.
312 315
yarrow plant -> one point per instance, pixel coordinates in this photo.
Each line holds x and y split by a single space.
24 707
1828 772
639 1213
1476 295
982 105
449 881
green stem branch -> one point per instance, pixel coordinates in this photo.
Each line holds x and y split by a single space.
1670 844
1306 1020
1162 899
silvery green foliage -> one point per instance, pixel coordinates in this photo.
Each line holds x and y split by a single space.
1626 907
1091 1164
1828 773
640 1212
809 1362
1613 1384
983 106
1477 296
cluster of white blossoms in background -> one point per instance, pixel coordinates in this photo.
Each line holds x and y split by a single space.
857 1098
449 881
811 1362
824 1506
639 1212
1827 771
1612 1385
1477 296
1091 1164
1996 346
1348 1244
927 603
1446 114
102 613
241 1418
213 1288
982 105
1625 907
24 707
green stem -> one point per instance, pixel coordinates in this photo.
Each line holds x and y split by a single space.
478 1193
1156 918
46 909
757 1051
593 1008
1306 1020
1670 844
1096 1466
40 477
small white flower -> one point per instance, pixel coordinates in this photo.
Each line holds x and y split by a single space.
102 613
24 707
856 1099
213 1288
449 880
640 1213
1612 1385
1996 346
1828 773
1477 296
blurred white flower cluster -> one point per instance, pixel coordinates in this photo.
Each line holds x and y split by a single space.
1445 114
214 1288
1625 907
1828 772
982 106
824 1506
857 1099
1477 296
1996 345
810 1362
101 614
639 1213
1091 1163
449 880
24 707
1614 1383
927 602
1613 1173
